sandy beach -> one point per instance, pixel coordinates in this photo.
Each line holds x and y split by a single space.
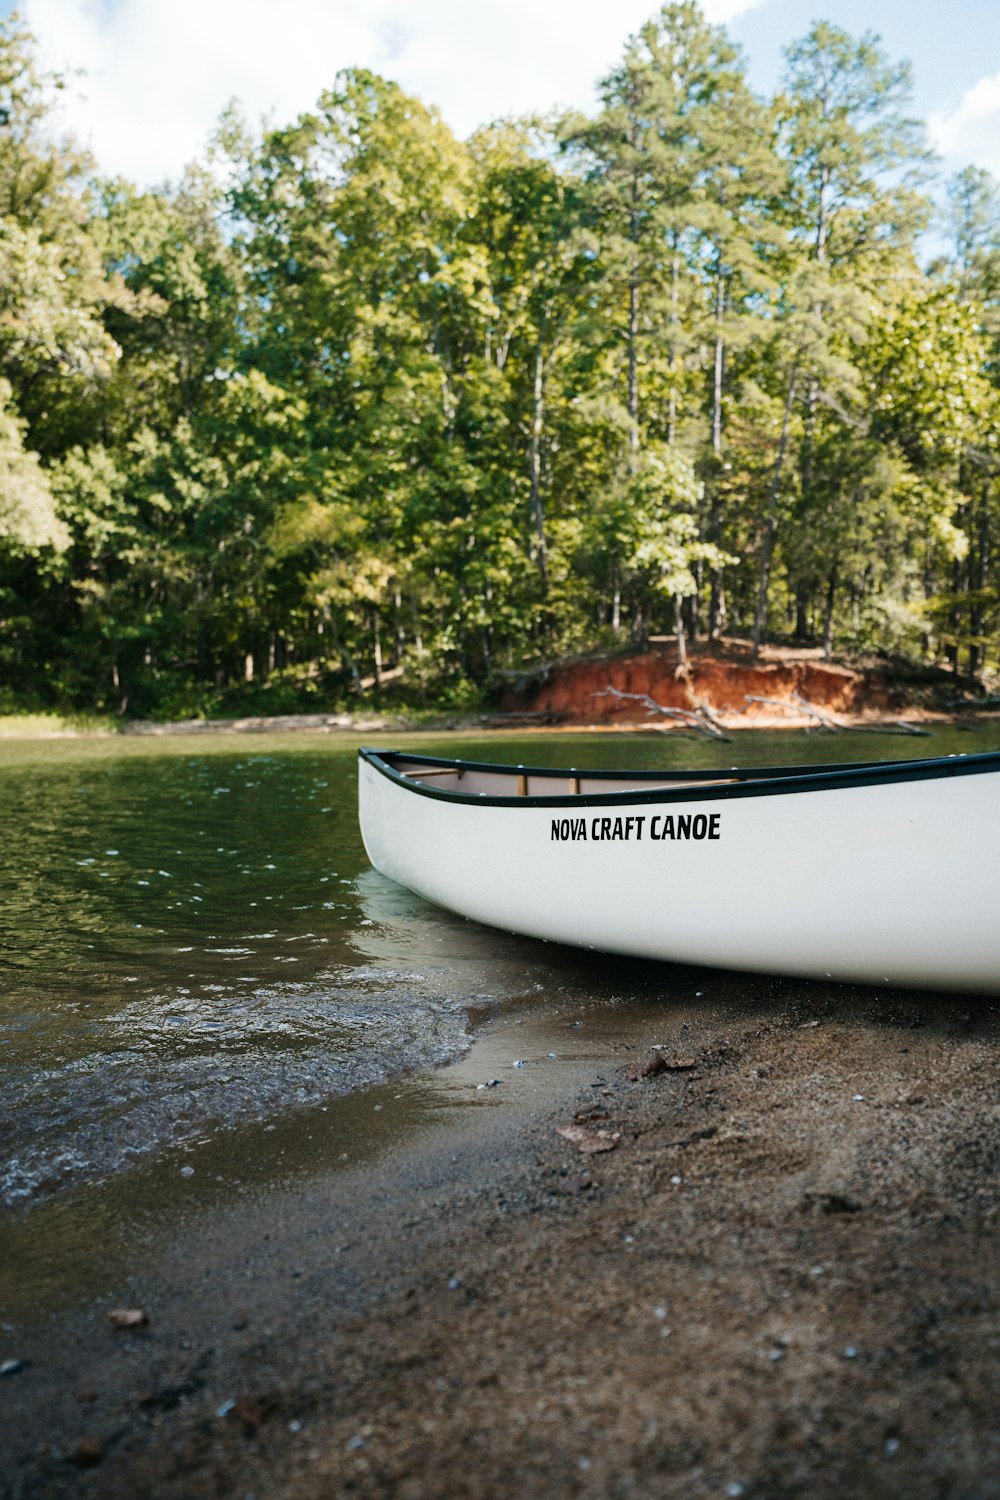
777 1276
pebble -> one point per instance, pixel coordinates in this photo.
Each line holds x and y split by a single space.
128 1317
187 1171
850 1352
88 1451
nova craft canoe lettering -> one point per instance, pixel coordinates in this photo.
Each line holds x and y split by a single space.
622 830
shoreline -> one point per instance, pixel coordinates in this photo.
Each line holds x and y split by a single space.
782 1279
914 723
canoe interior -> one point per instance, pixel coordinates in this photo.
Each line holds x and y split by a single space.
517 782
436 775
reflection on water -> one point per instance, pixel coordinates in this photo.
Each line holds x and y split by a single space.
191 937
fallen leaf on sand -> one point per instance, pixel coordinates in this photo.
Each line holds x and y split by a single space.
589 1142
660 1064
87 1451
248 1411
657 1064
127 1317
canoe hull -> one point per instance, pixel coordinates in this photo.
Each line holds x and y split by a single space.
894 883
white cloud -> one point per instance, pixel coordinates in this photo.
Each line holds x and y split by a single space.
157 73
969 134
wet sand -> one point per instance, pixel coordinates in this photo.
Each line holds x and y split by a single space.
782 1280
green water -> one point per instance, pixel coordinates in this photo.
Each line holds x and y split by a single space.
191 938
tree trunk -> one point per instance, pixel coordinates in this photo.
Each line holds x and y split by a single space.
772 517
679 627
639 630
802 613
398 635
418 637
716 607
977 581
674 299
633 363
720 359
954 623
812 395
535 463
831 593
717 600
377 647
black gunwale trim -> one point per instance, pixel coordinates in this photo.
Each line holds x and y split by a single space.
751 782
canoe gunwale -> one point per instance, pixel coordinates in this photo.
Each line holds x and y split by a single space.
761 781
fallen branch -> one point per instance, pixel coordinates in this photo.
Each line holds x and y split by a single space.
898 726
974 705
699 719
801 705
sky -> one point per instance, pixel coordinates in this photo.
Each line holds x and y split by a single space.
153 76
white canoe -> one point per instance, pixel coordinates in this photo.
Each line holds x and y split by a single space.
881 873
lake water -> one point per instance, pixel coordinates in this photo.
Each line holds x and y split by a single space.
191 938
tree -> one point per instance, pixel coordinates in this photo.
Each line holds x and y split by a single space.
855 161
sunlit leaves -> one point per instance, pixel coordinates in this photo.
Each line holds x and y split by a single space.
28 519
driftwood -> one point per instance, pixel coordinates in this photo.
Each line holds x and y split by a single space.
512 720
898 726
802 705
976 705
701 719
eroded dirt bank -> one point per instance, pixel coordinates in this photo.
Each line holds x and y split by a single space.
782 1280
777 689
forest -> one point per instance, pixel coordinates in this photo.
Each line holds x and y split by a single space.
356 403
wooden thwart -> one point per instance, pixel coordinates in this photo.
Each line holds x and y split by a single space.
423 775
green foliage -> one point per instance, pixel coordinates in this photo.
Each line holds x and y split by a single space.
360 409
28 519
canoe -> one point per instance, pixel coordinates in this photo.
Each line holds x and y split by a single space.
882 873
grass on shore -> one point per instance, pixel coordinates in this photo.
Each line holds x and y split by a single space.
27 725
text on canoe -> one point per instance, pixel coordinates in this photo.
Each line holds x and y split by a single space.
633 829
